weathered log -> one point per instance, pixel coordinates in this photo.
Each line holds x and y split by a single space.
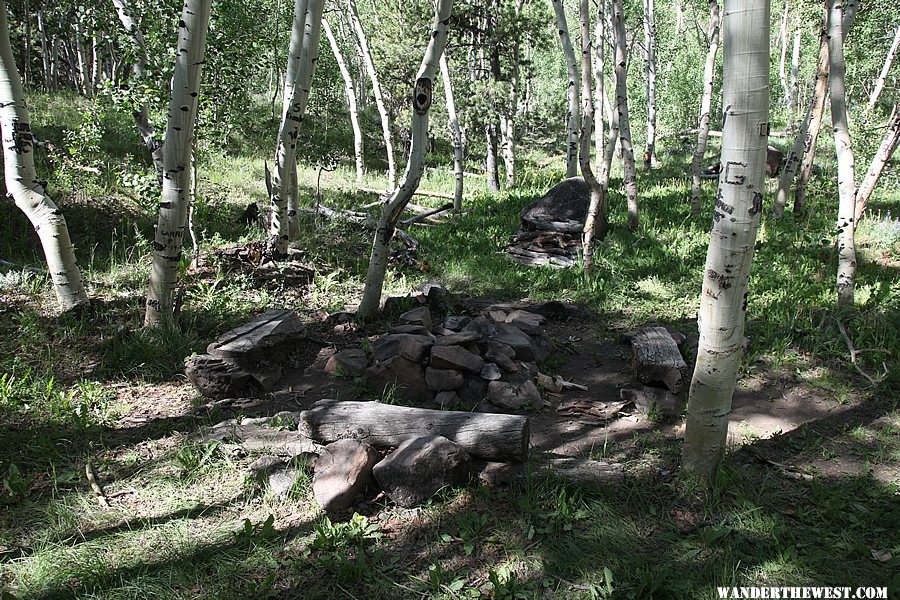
253 340
559 226
656 358
490 436
261 435
425 215
529 257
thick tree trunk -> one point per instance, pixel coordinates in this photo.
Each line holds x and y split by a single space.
351 103
573 116
650 43
739 203
595 222
485 435
302 56
366 56
22 182
139 113
885 151
809 130
168 243
709 71
393 207
455 134
795 68
846 183
882 77
630 177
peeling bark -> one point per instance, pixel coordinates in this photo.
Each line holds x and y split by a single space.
173 207
393 206
723 302
21 180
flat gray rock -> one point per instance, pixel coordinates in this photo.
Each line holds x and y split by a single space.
352 361
515 396
417 316
407 375
409 346
456 358
442 380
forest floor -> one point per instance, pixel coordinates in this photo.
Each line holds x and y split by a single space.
807 495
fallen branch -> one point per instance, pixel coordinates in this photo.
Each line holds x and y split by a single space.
419 192
95 485
425 215
853 354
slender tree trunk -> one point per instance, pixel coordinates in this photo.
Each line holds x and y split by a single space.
139 113
650 42
599 68
612 139
739 203
22 182
455 135
508 147
846 183
679 17
96 63
393 207
709 71
782 43
821 89
376 91
302 57
795 69
168 245
630 177
490 159
595 222
882 77
351 103
885 151
573 116
45 51
26 63
809 130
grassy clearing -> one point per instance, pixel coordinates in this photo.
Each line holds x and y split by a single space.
188 523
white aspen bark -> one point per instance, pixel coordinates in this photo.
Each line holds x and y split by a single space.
303 52
168 243
490 159
650 43
782 37
809 130
739 201
22 183
821 90
455 134
508 147
394 205
795 69
140 114
96 63
81 77
846 183
709 70
351 102
366 56
630 176
595 222
599 68
45 50
679 17
573 116
885 151
882 77
26 64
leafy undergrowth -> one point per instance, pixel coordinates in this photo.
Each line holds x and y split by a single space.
185 522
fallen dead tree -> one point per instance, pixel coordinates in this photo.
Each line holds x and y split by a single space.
490 436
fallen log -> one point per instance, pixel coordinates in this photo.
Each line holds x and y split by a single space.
489 436
656 358
260 435
425 215
419 192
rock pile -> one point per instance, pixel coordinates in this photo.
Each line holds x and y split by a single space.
458 361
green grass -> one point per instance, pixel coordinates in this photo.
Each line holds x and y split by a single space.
190 524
